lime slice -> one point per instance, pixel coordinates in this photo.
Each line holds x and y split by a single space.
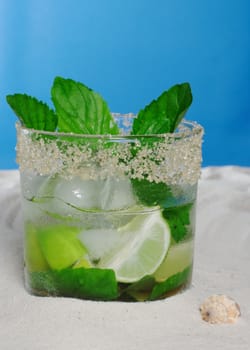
179 257
143 244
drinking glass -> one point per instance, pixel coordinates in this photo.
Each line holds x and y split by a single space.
109 217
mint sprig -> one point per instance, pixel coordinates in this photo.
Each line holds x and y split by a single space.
178 219
80 109
32 113
162 115
173 282
165 113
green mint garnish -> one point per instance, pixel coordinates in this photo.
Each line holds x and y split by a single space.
141 287
97 284
161 116
33 113
170 284
151 193
165 113
178 219
80 109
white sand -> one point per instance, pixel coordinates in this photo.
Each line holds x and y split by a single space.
222 265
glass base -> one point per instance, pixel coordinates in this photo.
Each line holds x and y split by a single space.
64 284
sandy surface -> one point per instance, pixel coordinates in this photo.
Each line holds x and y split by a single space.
222 265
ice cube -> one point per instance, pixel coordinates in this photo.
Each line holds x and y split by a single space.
99 242
79 193
116 194
31 184
75 197
107 194
31 211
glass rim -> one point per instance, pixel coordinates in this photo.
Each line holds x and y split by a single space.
186 129
171 158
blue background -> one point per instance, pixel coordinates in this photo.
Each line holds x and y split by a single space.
130 51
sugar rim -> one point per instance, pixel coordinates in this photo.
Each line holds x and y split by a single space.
172 158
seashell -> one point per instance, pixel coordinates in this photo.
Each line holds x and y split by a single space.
219 309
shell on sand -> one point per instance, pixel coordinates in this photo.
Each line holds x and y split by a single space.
219 309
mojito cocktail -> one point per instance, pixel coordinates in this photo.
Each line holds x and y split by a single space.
109 216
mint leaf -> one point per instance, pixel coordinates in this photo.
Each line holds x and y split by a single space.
80 109
98 284
151 193
178 219
138 291
144 284
32 113
165 113
171 283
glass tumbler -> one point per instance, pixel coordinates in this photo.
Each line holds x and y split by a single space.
109 217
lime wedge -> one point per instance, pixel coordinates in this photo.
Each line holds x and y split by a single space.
34 259
60 246
179 257
83 262
142 247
